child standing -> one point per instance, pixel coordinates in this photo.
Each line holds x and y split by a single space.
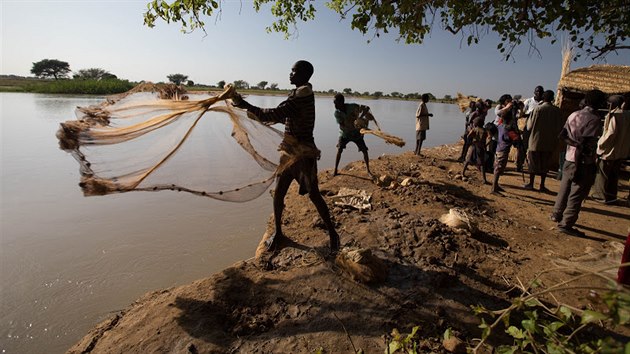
477 137
508 136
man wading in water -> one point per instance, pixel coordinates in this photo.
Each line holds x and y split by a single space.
299 154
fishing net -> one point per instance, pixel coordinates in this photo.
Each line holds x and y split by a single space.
464 101
158 137
362 123
390 139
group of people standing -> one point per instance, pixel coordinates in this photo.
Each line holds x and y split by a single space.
595 148
594 151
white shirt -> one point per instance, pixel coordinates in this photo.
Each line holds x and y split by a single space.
530 104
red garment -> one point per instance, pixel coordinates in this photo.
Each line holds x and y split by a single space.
623 275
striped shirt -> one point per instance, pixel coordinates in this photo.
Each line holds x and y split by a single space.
297 114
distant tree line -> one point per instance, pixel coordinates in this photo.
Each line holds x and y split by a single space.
84 81
57 69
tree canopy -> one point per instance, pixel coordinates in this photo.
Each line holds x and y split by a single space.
596 28
51 68
94 74
241 84
177 79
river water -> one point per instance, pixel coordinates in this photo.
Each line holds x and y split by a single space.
67 261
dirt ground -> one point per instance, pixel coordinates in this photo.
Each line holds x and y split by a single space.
299 300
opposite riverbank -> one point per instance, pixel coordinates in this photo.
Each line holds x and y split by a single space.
14 83
299 300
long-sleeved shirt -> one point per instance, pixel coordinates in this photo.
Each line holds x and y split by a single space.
580 126
422 117
297 113
614 144
545 123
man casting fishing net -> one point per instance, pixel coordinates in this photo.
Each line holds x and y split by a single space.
149 139
299 154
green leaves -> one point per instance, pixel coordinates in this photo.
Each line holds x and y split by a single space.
516 332
448 333
405 343
596 26
535 326
51 68
565 313
589 316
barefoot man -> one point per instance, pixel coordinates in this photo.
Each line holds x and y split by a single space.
299 153
346 114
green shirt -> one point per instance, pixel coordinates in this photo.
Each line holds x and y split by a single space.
346 120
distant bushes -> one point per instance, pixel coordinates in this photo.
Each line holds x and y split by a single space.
78 86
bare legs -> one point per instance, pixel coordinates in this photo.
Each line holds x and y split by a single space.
324 213
339 150
282 186
482 168
530 185
366 158
496 189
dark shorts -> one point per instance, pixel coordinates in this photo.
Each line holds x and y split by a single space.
357 139
538 162
304 171
500 161
421 135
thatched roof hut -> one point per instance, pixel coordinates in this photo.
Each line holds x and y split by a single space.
573 85
611 79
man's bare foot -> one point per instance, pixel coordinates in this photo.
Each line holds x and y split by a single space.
276 241
335 173
270 242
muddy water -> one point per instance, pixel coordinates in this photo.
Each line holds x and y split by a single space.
67 262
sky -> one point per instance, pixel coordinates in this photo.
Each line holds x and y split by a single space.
110 35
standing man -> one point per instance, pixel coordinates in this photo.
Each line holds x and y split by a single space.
544 125
528 107
612 148
346 115
580 132
533 102
298 151
422 122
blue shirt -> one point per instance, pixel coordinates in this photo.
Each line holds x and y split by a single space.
505 143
